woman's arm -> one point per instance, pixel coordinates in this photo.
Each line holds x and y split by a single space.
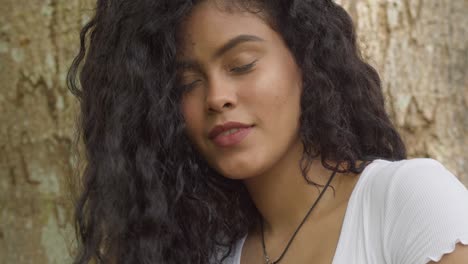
458 256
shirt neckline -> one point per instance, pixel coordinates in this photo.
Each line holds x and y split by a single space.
358 184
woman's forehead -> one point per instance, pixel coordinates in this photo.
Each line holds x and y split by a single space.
208 27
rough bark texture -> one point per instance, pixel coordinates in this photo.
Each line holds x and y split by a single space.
420 49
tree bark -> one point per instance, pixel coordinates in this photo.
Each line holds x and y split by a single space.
37 42
419 48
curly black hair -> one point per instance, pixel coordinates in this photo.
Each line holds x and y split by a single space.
147 195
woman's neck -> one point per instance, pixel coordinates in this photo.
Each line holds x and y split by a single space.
283 196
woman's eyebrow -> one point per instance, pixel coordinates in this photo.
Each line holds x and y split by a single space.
232 43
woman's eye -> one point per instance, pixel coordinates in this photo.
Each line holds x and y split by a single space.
189 86
243 68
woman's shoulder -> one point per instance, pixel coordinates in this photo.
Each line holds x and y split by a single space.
425 208
415 174
418 182
407 166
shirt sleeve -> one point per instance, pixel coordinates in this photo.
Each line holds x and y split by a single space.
426 212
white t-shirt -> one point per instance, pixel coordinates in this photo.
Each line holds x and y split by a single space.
401 212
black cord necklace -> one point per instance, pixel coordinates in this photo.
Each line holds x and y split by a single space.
265 255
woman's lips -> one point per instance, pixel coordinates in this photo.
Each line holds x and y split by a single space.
232 137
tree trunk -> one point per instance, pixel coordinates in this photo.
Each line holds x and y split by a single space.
420 50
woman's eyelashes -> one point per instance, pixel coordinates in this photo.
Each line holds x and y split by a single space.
243 68
190 86
237 70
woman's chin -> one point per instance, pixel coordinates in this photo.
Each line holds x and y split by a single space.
239 172
235 176
241 166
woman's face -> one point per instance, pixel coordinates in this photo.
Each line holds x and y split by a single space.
238 69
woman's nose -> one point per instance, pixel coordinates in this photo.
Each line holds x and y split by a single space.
220 96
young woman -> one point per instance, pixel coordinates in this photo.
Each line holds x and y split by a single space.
248 132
